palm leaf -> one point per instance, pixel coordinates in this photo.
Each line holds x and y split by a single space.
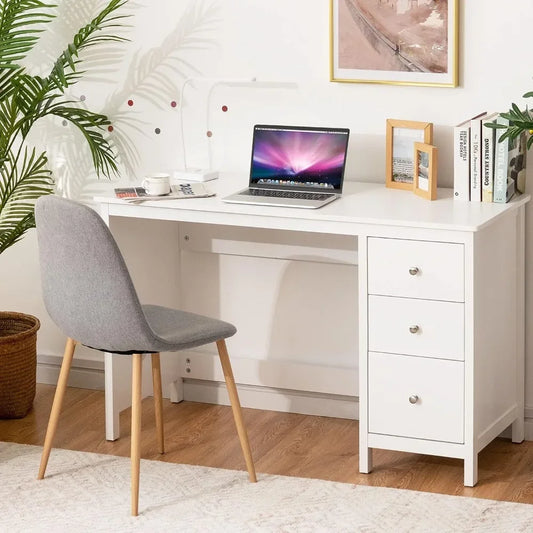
20 187
91 127
21 22
64 72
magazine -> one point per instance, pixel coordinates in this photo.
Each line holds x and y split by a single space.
177 191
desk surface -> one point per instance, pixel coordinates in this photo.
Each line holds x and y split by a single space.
361 203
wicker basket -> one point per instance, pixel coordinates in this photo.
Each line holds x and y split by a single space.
18 363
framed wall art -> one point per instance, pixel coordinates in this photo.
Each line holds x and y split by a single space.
425 171
402 42
401 138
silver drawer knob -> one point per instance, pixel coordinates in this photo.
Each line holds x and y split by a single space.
413 329
414 271
413 398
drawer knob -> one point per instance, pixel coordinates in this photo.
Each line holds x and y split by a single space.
413 398
414 271
413 329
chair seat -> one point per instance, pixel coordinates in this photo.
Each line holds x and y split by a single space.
168 330
176 330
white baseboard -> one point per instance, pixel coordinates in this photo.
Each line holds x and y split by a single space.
273 399
89 374
84 373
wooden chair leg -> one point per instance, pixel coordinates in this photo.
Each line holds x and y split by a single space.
56 405
136 385
236 408
158 401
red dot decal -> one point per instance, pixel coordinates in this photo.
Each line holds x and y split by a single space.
173 103
224 108
209 134
130 102
110 128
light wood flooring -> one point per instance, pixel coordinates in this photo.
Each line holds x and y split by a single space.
282 443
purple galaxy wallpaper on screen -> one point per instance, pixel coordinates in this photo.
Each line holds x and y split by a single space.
298 157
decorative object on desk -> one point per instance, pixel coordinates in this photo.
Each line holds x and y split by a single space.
401 136
24 99
400 43
157 184
18 363
177 191
425 171
206 174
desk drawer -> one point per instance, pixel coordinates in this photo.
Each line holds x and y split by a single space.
416 269
427 328
434 385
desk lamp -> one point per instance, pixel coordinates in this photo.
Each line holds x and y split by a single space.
206 174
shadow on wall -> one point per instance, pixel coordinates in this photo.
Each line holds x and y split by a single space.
153 76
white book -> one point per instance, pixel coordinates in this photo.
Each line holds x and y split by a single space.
501 165
461 160
488 139
475 158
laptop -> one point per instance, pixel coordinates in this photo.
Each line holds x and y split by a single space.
295 166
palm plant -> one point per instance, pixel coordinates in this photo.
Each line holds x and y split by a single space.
25 99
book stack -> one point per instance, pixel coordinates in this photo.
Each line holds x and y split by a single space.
486 170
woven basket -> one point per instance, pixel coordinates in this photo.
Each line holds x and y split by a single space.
18 363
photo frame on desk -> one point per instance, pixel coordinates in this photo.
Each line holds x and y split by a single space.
395 43
425 177
401 137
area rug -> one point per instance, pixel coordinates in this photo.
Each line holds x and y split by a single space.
85 492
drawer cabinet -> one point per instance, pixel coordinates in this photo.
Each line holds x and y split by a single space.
415 397
441 350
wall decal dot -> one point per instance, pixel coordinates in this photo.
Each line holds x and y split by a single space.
157 131
82 98
110 128
209 133
64 123
224 108
173 103
130 102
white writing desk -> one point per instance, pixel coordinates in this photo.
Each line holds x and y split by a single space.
441 311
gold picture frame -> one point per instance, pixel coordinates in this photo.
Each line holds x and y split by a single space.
425 177
401 136
393 42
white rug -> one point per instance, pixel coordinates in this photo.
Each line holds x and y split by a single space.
90 492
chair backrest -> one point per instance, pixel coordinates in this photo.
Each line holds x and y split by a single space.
86 285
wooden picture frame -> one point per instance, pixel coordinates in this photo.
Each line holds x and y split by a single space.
425 177
395 42
401 136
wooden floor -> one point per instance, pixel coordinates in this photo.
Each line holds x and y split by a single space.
282 443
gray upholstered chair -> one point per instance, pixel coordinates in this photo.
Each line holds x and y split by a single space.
89 294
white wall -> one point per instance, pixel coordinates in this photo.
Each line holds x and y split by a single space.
270 40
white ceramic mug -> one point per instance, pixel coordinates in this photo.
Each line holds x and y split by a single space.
157 184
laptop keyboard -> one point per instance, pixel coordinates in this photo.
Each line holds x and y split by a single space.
290 194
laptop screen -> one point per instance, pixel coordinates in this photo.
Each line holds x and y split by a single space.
289 157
